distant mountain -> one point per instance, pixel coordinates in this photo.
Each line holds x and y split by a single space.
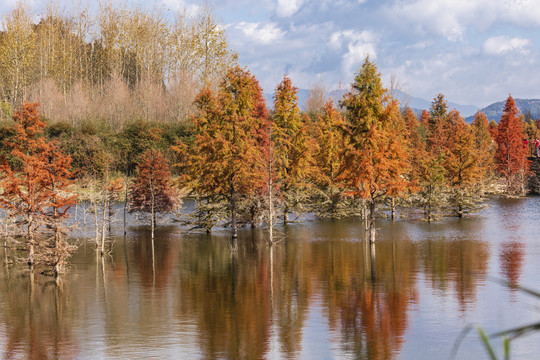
415 103
494 111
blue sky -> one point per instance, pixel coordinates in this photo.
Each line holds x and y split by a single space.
473 51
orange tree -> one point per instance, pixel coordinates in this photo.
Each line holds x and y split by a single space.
463 170
511 154
35 191
225 161
152 191
375 161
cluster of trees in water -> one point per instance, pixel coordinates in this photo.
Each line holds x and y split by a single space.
244 164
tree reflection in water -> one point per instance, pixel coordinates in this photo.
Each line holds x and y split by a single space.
193 292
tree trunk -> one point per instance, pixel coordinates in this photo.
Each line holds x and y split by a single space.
125 208
372 221
393 208
233 214
153 210
96 224
30 242
103 228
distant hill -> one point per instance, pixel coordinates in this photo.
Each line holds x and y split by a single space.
419 104
494 111
415 103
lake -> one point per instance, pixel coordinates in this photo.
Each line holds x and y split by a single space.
320 293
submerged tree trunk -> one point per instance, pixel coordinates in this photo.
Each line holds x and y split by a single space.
153 210
428 205
125 207
30 242
393 208
233 213
103 227
372 220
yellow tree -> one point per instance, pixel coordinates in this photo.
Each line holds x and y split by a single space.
17 44
288 136
328 132
484 144
375 161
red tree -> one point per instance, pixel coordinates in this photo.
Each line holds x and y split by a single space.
152 192
511 154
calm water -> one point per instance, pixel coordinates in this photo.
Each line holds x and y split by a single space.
320 293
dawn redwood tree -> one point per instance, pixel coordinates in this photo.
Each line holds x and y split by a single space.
375 162
290 146
511 155
152 191
463 169
424 118
226 161
35 190
484 144
437 111
328 132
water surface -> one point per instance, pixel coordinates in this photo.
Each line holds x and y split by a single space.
320 293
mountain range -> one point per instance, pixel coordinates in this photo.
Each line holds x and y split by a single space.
493 111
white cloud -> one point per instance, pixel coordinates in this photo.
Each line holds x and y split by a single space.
355 46
445 17
287 8
452 18
264 34
499 45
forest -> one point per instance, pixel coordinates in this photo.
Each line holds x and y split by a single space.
131 106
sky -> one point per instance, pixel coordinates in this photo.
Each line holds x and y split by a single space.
475 52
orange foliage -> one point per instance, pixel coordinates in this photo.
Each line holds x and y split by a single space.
35 187
511 154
